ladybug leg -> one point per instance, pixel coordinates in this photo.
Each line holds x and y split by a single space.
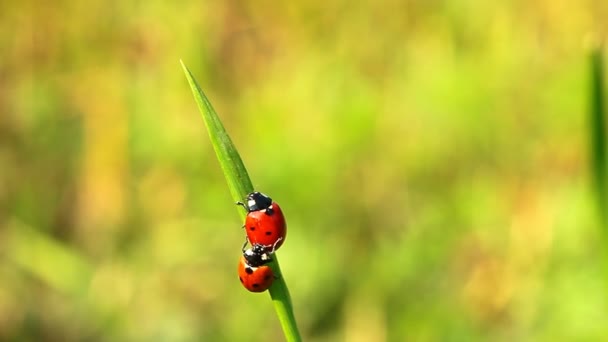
244 245
274 245
242 205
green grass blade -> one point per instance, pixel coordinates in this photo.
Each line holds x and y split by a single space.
598 134
240 185
230 160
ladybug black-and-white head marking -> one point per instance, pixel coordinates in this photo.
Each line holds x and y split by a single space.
258 201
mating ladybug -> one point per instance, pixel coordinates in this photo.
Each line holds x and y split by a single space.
265 223
253 272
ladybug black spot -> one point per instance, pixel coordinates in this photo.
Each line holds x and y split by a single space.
256 285
267 277
268 233
248 270
251 228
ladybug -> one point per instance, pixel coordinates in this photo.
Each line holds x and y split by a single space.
265 223
254 274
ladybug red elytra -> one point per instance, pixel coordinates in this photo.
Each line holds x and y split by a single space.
265 223
253 272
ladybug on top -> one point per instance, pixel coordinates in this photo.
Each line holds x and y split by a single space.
265 224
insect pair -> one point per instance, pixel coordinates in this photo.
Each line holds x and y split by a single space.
266 230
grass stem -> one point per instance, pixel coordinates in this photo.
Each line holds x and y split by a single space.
240 185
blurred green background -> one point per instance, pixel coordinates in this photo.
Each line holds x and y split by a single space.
431 158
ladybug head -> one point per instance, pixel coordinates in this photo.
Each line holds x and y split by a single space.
256 255
258 201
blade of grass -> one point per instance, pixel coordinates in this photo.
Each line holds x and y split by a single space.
240 185
598 135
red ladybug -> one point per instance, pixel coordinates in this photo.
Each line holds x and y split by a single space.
253 272
265 223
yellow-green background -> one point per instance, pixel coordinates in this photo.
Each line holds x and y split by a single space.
431 158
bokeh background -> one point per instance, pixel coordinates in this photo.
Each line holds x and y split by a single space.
431 157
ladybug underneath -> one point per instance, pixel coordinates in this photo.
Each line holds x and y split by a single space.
253 272
265 223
